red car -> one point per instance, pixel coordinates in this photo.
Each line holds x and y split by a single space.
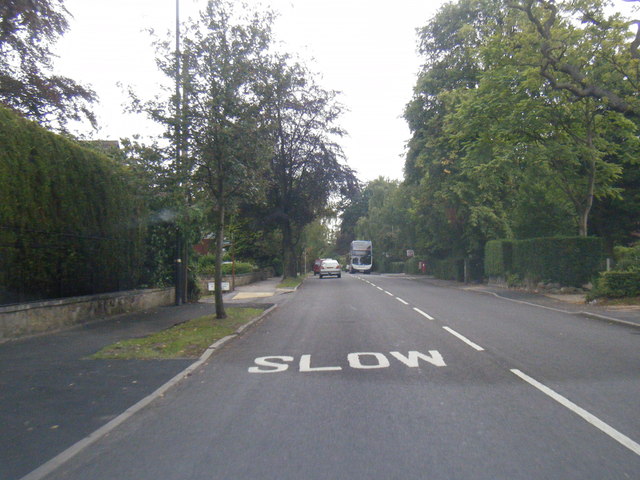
316 266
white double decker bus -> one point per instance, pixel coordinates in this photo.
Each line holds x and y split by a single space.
360 256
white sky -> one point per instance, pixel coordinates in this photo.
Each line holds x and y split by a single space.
364 48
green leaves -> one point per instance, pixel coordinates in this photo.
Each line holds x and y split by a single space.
519 100
27 31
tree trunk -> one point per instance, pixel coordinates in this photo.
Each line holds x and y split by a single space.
289 269
220 312
583 228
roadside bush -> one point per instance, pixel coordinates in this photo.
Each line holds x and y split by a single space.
381 265
498 258
449 269
616 285
627 258
396 267
412 266
570 261
206 266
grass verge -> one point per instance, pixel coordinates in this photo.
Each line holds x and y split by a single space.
185 340
618 302
290 282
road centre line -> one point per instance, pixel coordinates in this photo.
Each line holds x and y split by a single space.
402 301
426 315
464 339
389 293
581 412
380 288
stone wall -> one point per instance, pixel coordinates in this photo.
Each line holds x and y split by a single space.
46 316
244 279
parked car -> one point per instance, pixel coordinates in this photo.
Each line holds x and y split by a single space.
330 267
316 265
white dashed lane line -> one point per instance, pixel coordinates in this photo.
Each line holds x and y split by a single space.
576 409
429 317
426 315
464 339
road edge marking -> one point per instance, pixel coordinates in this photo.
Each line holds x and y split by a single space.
581 412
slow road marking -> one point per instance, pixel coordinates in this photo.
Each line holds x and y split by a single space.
357 361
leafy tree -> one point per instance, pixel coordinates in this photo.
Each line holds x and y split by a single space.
222 117
387 221
28 28
356 208
305 169
215 120
583 51
490 129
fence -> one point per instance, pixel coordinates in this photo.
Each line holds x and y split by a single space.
39 265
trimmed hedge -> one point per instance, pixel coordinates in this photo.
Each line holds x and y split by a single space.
207 266
570 261
617 285
396 267
498 258
449 269
69 217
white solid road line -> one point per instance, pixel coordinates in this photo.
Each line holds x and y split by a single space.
592 419
464 339
426 315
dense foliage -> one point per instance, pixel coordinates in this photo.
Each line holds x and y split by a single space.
502 145
253 135
524 124
27 31
570 261
69 217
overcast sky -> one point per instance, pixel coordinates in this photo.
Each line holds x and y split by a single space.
364 48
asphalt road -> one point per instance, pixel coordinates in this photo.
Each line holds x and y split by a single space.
380 377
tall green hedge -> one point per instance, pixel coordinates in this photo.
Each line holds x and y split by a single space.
571 261
69 217
498 258
449 269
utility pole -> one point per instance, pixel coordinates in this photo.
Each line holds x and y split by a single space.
181 249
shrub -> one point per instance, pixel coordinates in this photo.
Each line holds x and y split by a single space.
571 261
206 266
616 285
396 267
498 258
412 266
628 258
449 269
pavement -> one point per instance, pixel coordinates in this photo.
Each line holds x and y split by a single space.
53 396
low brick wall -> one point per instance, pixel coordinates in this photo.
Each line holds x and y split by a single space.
40 317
